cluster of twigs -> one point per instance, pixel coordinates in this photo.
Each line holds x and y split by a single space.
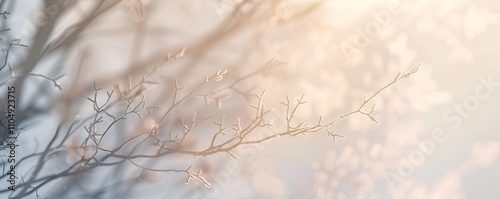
94 152
96 140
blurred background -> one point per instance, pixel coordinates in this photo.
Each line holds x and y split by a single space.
437 137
